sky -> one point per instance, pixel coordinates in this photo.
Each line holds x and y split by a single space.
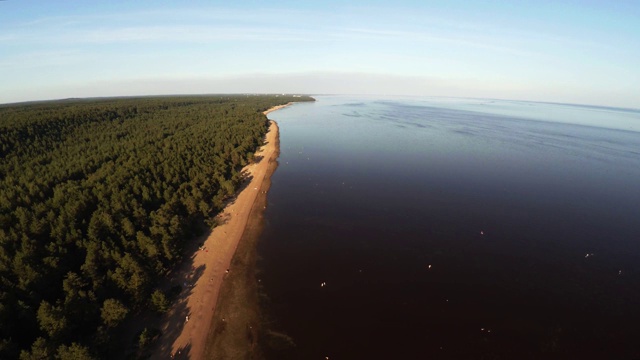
583 52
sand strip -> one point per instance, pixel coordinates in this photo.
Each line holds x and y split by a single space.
277 108
203 276
237 326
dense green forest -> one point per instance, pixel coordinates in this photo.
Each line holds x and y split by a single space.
97 199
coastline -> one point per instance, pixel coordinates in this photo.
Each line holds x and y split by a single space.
266 112
211 275
236 324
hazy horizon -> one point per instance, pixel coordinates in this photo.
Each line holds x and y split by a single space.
534 51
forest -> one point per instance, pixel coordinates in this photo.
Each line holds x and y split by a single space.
98 198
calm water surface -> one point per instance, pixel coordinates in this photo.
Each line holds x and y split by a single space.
453 229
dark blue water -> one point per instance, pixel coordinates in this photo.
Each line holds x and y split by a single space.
453 229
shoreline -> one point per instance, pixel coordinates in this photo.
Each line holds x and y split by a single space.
236 325
211 266
270 110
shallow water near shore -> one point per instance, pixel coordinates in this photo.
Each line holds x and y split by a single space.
453 228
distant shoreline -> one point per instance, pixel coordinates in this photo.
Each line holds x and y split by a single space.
277 108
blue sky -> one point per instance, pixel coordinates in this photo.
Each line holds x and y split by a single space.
562 51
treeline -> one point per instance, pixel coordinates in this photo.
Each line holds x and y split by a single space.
97 199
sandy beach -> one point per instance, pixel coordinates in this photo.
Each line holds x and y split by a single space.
276 108
186 327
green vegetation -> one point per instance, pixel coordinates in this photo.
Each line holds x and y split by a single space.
159 302
97 199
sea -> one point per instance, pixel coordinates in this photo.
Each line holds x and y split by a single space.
445 228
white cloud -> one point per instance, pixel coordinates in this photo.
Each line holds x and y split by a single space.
360 51
183 34
467 40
